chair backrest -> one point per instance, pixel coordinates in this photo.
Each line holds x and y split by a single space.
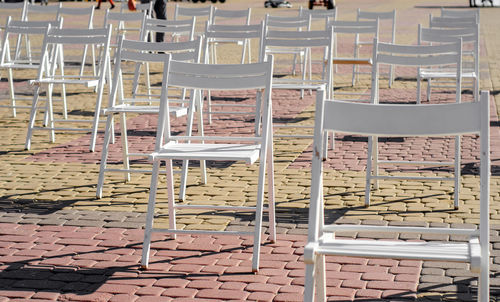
462 13
452 22
16 28
172 28
232 32
365 30
254 76
323 16
312 39
285 22
226 16
147 7
62 39
123 23
449 54
47 11
381 16
68 12
18 7
140 52
202 14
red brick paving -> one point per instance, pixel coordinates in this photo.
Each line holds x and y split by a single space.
67 270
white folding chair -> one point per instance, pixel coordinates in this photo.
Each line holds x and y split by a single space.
16 11
59 39
397 120
10 60
202 14
444 77
229 18
128 24
122 102
232 145
78 12
216 33
295 23
345 31
419 56
387 33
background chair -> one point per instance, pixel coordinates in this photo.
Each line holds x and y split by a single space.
449 55
141 7
346 31
229 17
397 120
387 33
202 14
125 98
231 145
11 60
58 39
296 23
441 77
69 13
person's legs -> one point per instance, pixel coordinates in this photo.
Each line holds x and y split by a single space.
98 4
112 4
160 8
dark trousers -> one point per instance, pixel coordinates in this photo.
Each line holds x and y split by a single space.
160 12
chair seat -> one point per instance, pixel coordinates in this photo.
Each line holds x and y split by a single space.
429 73
196 151
438 251
86 82
128 108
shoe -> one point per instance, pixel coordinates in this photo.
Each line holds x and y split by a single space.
97 7
112 6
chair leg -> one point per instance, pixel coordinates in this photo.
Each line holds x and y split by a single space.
50 107
171 197
124 139
310 283
31 123
369 162
457 171
12 93
320 276
419 89
104 155
146 245
271 194
429 81
97 111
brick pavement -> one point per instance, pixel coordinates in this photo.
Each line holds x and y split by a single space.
58 242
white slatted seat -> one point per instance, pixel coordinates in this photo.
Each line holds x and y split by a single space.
397 120
452 22
230 145
16 11
130 101
445 77
387 33
11 60
48 75
418 56
350 30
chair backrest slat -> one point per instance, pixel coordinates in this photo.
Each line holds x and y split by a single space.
403 119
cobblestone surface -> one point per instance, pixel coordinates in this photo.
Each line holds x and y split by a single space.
57 242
